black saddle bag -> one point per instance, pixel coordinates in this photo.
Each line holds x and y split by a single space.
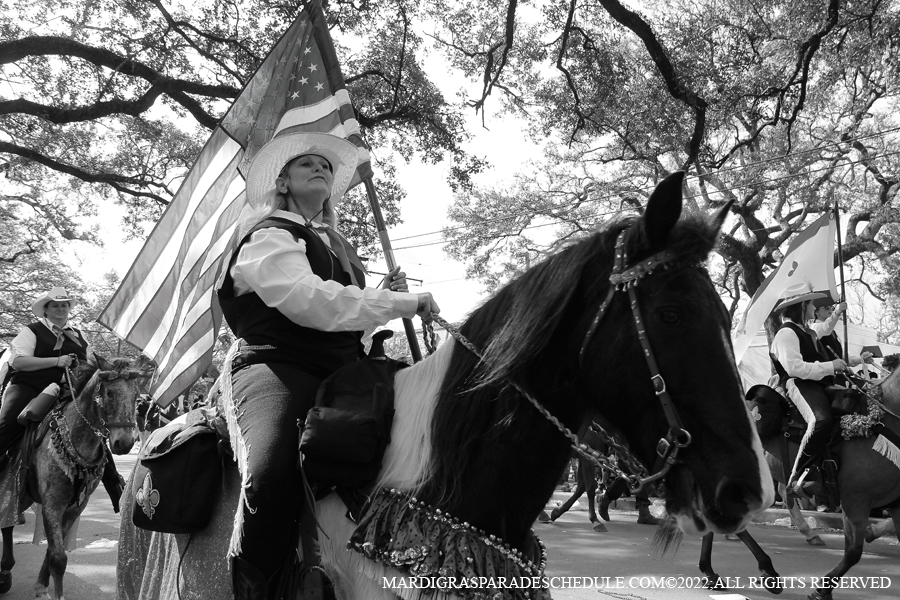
768 409
177 478
347 431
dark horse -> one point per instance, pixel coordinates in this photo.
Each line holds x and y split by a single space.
585 481
64 468
472 461
866 480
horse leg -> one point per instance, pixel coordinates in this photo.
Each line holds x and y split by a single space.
771 578
713 581
591 488
854 536
55 560
559 510
873 532
793 506
8 560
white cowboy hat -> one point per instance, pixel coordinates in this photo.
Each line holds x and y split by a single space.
288 144
56 294
799 292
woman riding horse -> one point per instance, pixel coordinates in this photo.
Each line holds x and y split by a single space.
295 296
40 354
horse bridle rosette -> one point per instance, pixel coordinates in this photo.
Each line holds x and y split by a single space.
677 437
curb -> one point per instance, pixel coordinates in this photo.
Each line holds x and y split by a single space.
770 516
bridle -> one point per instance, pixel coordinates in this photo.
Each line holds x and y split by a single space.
623 279
102 431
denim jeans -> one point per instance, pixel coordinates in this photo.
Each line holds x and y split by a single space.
271 400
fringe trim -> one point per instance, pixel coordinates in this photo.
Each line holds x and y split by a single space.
378 573
887 449
238 447
64 465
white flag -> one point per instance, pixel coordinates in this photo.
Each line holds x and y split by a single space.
809 259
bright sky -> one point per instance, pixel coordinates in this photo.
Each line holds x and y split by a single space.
423 211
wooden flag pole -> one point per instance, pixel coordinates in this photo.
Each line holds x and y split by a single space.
391 262
840 247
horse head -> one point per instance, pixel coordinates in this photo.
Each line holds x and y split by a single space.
679 385
890 391
119 386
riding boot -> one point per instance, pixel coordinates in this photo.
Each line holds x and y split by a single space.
603 509
112 481
247 581
644 515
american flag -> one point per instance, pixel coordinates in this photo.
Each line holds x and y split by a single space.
166 305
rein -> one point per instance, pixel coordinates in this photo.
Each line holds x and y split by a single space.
621 279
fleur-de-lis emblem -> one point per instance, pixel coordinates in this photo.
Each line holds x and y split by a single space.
147 497
754 413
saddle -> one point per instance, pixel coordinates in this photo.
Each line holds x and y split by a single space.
773 415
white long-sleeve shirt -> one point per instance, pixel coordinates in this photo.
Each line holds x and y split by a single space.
275 266
823 328
786 348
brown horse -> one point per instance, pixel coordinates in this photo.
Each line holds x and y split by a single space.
866 480
64 467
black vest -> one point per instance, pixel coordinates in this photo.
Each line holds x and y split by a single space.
45 341
317 352
832 341
808 352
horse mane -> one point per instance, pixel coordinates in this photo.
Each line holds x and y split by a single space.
514 328
530 308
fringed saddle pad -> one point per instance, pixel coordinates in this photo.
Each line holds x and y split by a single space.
887 443
406 535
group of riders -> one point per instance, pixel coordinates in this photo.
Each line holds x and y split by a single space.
295 296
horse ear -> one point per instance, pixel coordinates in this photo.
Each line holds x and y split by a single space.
102 363
721 214
663 209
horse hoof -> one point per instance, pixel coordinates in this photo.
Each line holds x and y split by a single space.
870 535
715 583
600 527
543 517
554 514
5 581
815 541
772 581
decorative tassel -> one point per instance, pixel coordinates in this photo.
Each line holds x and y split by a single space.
238 447
887 449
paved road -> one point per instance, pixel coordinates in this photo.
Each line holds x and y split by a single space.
575 550
625 551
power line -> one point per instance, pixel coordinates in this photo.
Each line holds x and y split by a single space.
647 189
717 191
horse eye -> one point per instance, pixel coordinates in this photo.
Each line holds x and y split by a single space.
669 317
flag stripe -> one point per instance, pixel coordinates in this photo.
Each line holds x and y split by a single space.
201 231
148 286
205 275
117 315
182 252
337 106
190 365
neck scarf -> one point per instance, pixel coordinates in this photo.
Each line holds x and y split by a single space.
342 249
